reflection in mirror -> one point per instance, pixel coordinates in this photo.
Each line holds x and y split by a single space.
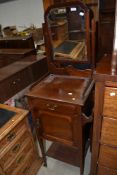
68 33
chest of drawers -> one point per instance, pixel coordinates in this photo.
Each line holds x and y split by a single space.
104 149
107 160
18 152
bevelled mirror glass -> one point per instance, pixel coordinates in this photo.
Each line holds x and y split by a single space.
67 27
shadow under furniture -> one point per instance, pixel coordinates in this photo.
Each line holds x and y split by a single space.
62 102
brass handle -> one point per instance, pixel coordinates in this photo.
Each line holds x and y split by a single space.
25 171
16 148
14 82
52 107
11 136
20 159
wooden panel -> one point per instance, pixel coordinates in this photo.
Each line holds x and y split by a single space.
15 83
106 43
108 157
39 69
110 101
109 131
56 126
107 5
106 171
106 26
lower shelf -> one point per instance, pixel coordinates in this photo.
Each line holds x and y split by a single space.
64 153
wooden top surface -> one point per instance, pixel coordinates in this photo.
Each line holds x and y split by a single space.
103 70
20 115
63 88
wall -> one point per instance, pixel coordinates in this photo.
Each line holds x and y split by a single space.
21 13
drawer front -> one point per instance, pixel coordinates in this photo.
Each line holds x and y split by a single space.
20 158
109 131
106 171
110 102
108 157
14 149
1 171
25 168
38 104
14 84
9 138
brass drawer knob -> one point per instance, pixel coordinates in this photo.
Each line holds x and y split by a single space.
14 82
20 159
52 107
16 148
11 136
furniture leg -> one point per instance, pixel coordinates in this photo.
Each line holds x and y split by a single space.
42 147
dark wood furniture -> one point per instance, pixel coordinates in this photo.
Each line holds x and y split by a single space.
21 42
15 49
61 108
20 74
18 152
106 26
104 149
61 103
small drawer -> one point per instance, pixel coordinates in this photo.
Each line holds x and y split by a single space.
109 131
47 105
108 157
20 158
110 102
106 171
14 150
10 137
25 168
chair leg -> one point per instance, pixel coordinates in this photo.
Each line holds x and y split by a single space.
42 147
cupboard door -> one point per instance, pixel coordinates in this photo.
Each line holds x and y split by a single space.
56 126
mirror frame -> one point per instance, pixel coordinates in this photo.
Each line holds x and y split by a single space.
90 37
